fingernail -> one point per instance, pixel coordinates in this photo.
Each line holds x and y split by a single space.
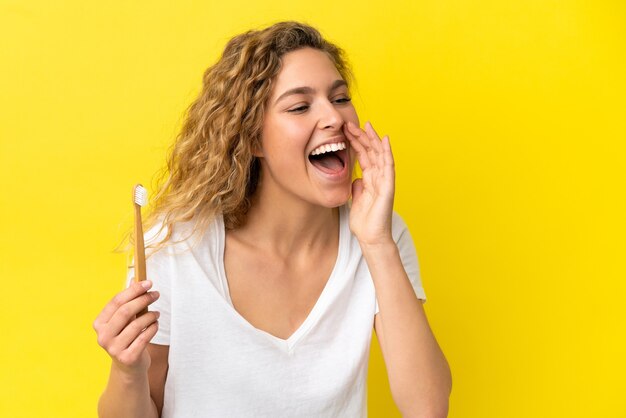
154 295
146 284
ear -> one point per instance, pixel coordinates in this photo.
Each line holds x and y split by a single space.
257 149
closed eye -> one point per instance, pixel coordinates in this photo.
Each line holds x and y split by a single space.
301 109
298 109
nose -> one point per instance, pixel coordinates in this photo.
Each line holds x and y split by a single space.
330 117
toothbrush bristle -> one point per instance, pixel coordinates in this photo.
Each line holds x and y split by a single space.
141 195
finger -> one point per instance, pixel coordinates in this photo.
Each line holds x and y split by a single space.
133 352
361 151
351 131
132 331
375 146
362 139
389 161
128 294
368 144
359 134
373 135
127 312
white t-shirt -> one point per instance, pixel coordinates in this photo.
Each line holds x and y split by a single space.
222 366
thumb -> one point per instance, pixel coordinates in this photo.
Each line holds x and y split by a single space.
357 189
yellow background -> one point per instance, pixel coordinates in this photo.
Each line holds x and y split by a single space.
507 119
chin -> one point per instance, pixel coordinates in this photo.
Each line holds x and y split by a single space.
336 199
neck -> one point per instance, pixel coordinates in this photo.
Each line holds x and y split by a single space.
287 225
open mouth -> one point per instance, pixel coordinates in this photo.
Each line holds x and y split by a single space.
330 158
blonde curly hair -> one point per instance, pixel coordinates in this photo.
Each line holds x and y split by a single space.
211 169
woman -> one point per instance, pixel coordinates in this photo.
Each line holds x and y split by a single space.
268 312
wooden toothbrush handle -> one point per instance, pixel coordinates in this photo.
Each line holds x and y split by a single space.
140 251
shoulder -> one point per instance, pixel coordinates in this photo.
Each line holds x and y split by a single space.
164 238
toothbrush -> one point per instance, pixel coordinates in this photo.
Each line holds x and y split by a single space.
140 198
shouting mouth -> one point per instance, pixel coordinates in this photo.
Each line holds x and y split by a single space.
331 159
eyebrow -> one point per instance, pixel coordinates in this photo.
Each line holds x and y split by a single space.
309 90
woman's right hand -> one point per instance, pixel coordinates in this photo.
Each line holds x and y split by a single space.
125 336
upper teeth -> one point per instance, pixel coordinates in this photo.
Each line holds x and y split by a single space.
329 148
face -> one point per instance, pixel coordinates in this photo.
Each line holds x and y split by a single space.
305 154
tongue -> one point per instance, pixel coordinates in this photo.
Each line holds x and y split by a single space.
328 163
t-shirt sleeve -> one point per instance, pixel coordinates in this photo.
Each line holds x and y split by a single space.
158 270
408 255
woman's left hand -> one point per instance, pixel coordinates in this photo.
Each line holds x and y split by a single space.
372 195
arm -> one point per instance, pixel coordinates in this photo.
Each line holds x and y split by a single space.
419 375
157 373
136 396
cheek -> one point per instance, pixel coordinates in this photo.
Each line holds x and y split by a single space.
285 136
298 134
350 115
294 129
